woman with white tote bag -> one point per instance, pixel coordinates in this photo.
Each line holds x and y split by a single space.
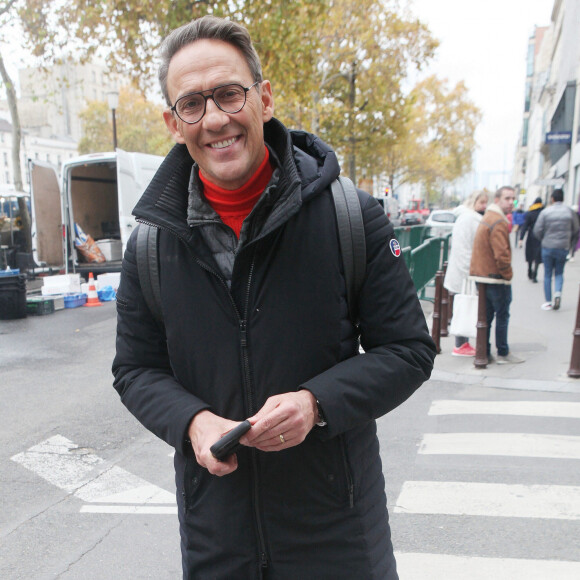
456 277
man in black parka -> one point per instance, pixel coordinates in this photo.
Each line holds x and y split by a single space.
255 325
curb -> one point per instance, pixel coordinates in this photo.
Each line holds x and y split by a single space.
566 385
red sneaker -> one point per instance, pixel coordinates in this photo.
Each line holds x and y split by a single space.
464 350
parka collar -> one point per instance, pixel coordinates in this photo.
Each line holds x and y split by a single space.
305 166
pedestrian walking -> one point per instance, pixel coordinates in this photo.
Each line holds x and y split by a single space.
533 246
557 229
459 261
256 326
491 264
518 218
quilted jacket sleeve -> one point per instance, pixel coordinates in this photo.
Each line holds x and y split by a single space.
142 371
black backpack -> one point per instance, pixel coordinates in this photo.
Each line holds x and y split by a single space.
352 246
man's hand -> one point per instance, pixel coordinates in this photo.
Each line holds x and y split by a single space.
283 421
204 430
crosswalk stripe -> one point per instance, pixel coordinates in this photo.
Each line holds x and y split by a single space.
506 444
489 499
86 475
416 566
129 509
523 408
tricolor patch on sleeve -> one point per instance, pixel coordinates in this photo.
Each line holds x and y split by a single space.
395 247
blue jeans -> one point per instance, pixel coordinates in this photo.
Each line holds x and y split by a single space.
498 298
554 261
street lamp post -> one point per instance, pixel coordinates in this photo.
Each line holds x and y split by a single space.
113 100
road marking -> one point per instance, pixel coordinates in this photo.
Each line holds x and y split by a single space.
489 499
129 509
524 408
506 444
90 478
414 566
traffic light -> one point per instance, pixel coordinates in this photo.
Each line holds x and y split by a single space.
387 191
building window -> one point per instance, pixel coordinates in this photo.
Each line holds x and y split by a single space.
528 96
5 159
525 133
7 177
530 59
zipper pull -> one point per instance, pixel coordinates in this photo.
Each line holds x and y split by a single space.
243 334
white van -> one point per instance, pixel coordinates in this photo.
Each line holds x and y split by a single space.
98 192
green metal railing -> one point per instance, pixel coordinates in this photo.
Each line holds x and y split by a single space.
411 236
425 258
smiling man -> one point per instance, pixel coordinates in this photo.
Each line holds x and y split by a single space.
255 326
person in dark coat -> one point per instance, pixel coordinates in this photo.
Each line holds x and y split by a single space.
533 245
256 326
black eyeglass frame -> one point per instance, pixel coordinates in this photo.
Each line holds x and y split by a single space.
173 109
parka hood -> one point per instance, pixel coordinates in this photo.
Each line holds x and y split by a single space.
315 161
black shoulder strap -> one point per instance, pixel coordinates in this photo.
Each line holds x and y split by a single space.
148 268
351 234
352 246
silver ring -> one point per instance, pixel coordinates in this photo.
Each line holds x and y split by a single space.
282 438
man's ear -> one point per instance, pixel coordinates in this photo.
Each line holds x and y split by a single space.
173 127
267 101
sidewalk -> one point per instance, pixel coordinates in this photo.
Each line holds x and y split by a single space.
543 338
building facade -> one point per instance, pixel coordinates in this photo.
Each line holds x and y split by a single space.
53 151
548 152
51 100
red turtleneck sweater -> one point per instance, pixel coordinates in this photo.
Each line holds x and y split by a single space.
233 206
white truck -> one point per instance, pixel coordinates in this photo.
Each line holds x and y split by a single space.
98 192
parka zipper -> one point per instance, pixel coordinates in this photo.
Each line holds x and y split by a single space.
252 410
246 376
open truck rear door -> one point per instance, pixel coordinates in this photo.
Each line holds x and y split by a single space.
48 247
134 172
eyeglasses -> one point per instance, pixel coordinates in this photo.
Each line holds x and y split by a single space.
228 98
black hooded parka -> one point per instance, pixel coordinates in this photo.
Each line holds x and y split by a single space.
276 322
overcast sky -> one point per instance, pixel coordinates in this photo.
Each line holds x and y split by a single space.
485 44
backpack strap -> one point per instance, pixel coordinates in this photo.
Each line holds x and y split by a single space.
351 234
148 268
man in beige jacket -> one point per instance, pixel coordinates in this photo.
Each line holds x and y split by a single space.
491 264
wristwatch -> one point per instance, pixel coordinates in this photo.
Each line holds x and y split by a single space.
321 417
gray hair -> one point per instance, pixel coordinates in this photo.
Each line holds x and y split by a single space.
208 28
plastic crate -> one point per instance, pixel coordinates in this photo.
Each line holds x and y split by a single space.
12 297
4 273
61 284
75 300
38 306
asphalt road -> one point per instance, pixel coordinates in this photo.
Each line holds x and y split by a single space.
86 491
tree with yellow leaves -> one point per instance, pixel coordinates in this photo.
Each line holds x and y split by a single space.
438 140
140 125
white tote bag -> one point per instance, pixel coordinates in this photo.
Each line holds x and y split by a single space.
464 320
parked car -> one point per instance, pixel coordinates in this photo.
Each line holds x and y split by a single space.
440 222
411 218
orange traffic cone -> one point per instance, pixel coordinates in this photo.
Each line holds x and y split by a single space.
93 299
